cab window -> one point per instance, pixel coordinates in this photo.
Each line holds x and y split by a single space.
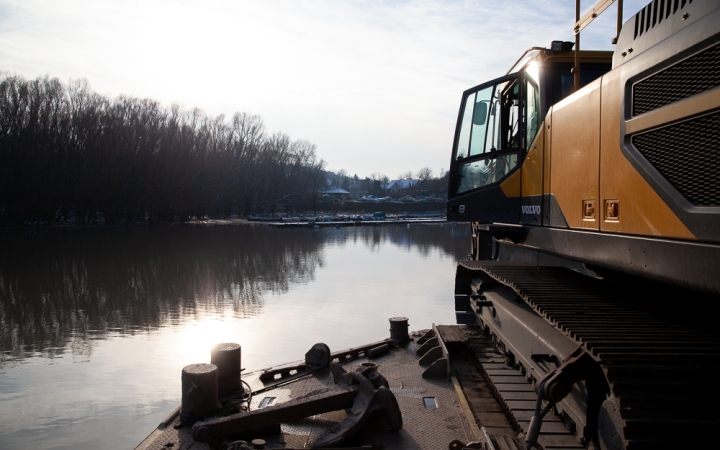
489 137
532 112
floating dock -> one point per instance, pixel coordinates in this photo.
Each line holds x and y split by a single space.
350 223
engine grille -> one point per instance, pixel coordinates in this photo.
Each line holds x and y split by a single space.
687 155
696 74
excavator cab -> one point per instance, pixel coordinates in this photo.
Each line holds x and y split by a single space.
498 124
488 146
489 135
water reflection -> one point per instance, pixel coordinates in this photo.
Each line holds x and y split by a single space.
61 291
96 325
73 286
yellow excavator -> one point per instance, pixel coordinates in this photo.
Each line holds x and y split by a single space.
591 181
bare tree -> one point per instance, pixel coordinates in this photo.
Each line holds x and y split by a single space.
406 176
67 153
425 174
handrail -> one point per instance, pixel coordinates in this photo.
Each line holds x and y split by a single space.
581 23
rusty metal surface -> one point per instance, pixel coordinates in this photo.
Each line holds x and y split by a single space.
422 428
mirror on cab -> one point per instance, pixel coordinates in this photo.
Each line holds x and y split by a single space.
480 114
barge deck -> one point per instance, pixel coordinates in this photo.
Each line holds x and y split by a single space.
451 384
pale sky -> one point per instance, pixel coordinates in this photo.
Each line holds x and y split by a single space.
375 84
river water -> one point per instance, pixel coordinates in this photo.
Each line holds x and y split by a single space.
96 325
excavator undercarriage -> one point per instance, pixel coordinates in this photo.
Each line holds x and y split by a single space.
650 380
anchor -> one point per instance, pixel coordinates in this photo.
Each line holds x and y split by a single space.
364 391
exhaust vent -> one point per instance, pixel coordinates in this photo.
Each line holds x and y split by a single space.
655 12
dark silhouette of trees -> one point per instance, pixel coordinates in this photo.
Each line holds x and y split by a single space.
375 184
425 174
69 154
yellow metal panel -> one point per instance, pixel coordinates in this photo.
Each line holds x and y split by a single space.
511 186
640 210
532 168
575 158
547 150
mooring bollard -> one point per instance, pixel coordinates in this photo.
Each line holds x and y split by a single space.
226 357
199 392
399 329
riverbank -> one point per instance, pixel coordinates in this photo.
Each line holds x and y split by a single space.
351 212
351 223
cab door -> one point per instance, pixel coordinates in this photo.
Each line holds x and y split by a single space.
533 144
485 181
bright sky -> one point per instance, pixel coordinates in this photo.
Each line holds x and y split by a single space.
374 84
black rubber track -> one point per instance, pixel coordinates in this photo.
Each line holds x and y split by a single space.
660 357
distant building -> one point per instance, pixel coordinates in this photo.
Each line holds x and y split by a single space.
335 192
400 186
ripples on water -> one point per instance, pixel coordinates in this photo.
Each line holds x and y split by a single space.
95 325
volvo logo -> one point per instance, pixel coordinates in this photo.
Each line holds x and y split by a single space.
530 209
461 209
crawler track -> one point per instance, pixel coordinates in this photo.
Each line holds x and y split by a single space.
660 364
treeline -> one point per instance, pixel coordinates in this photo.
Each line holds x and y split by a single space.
427 183
68 154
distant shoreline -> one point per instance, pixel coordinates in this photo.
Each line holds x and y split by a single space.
234 221
323 209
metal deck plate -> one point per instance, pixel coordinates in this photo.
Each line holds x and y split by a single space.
422 428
